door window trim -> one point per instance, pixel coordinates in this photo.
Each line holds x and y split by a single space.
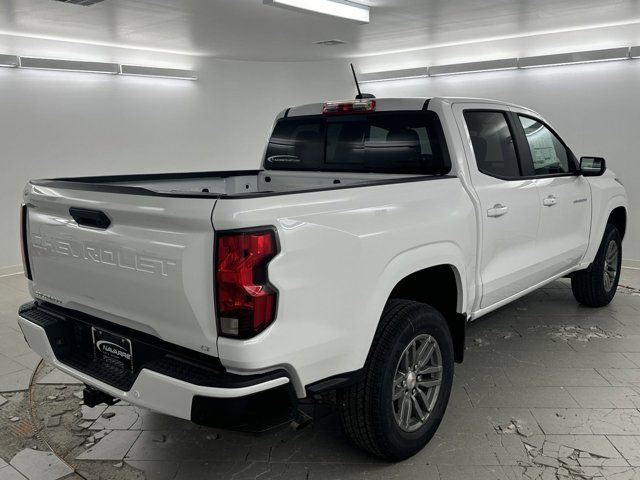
517 145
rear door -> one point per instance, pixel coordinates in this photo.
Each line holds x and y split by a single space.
565 196
510 206
148 266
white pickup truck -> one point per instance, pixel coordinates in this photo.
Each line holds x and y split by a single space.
351 262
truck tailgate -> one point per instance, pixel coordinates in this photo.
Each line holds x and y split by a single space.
151 269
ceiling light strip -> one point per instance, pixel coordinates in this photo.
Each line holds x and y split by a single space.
592 56
473 67
69 65
95 67
393 75
140 71
575 57
9 61
333 8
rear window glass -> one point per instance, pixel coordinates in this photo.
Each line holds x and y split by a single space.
399 142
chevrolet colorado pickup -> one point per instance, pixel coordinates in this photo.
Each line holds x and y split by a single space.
351 262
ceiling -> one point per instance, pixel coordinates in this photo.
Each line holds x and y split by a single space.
249 30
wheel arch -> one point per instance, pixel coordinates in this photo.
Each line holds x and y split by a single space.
441 287
613 210
618 218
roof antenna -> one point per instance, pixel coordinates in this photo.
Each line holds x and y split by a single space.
360 95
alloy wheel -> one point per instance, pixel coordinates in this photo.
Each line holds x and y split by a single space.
416 383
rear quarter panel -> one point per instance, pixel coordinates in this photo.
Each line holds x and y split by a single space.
342 252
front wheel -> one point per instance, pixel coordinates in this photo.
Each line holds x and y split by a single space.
397 407
596 286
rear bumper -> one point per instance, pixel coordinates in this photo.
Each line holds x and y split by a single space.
195 392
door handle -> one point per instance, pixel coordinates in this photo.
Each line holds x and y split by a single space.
498 210
550 201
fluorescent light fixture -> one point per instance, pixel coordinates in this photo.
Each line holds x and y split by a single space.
486 66
575 57
141 71
621 53
9 61
69 65
94 67
393 75
334 8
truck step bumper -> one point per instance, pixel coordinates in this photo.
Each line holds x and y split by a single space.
251 403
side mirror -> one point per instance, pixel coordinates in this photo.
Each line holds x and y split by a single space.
592 166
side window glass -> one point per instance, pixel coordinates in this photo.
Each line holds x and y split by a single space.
547 151
492 143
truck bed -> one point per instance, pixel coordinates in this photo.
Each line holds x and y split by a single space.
223 184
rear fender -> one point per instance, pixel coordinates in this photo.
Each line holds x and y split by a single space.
412 261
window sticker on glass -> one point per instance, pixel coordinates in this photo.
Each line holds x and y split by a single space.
283 159
548 153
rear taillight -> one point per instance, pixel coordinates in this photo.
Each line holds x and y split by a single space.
245 301
24 238
352 106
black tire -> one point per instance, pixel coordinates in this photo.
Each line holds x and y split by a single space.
366 409
588 285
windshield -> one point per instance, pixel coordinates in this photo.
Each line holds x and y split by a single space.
385 142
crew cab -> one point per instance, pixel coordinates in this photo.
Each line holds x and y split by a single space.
351 261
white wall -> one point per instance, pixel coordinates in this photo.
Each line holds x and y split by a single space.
55 124
594 107
246 96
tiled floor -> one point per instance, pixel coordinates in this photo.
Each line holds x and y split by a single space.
548 390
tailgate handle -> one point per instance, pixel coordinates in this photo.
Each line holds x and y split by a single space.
90 218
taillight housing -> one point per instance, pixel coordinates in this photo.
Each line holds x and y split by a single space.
24 238
245 300
349 107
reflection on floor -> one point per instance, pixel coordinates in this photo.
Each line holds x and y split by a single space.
548 389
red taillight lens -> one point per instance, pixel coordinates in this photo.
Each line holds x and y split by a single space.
245 301
24 238
342 108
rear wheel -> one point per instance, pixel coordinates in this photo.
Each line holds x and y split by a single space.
596 286
397 407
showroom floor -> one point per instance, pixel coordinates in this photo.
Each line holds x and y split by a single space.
548 389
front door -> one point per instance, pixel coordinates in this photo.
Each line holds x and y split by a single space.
565 197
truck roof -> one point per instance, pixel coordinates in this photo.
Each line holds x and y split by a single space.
401 103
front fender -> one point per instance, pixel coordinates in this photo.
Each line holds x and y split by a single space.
602 208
